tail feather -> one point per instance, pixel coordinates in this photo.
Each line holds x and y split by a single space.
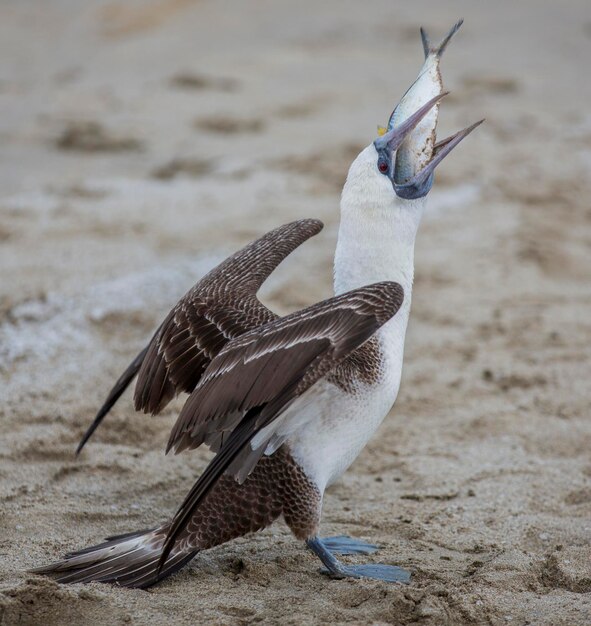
440 48
129 560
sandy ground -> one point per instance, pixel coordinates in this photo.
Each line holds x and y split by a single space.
143 141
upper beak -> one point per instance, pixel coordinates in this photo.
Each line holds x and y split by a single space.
420 184
394 138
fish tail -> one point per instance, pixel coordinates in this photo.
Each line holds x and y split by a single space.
440 48
129 560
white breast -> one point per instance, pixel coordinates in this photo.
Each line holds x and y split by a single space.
334 425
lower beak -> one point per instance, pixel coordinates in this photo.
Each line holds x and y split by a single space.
420 184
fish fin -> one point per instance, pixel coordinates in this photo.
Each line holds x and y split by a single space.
382 130
426 42
439 49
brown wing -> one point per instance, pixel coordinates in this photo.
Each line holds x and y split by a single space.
260 373
221 306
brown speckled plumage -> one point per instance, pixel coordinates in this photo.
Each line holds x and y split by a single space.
362 366
277 486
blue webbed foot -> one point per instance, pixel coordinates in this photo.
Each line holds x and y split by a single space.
335 569
377 571
348 545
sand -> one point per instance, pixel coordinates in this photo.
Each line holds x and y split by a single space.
144 141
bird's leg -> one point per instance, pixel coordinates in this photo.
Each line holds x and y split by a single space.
336 569
348 545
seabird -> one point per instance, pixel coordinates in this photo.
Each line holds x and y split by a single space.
286 403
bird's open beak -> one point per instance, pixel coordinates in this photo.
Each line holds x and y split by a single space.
420 184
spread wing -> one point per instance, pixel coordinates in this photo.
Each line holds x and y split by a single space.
258 375
221 306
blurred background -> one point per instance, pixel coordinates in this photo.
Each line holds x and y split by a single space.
143 141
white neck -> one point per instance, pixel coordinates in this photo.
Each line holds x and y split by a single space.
377 231
373 248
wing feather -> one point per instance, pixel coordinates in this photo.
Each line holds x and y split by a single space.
220 307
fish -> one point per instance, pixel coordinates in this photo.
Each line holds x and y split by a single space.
417 149
419 153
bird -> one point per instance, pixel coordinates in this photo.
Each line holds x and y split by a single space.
285 403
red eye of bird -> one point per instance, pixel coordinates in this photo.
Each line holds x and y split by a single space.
383 166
